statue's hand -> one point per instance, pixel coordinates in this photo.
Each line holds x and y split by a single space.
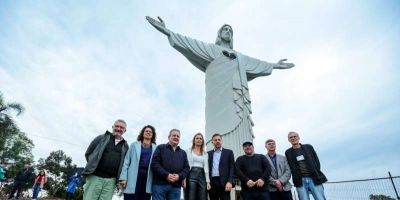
282 65
281 61
159 25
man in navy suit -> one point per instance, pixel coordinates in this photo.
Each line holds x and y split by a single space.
222 166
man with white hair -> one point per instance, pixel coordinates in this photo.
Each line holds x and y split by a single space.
105 157
305 167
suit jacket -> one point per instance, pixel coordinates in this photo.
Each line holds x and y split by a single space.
226 165
282 172
313 165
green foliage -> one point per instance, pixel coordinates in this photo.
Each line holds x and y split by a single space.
15 146
7 122
55 188
58 165
5 108
380 197
79 193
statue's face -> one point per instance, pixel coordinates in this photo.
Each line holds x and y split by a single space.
226 33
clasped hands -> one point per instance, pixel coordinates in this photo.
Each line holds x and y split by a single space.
172 178
278 184
258 183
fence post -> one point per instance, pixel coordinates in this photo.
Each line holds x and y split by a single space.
394 187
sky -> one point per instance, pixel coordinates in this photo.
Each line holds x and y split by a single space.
78 66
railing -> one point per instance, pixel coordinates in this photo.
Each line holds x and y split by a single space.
385 188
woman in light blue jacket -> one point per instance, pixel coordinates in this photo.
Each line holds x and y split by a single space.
136 176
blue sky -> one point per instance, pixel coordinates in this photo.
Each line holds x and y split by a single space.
78 66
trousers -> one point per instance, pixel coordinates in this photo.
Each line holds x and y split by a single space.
196 185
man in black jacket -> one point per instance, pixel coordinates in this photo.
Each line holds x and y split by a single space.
254 171
20 181
105 157
221 163
305 167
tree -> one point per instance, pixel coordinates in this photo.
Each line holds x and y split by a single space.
58 166
15 146
6 120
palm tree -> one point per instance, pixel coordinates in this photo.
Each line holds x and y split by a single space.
6 120
15 146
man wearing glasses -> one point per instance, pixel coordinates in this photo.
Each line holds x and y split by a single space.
305 167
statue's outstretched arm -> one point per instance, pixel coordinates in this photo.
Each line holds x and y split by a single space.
282 65
159 25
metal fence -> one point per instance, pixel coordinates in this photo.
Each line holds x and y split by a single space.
385 188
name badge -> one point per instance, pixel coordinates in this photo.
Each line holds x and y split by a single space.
300 158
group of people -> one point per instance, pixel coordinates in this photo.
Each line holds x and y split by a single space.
145 171
21 179
24 176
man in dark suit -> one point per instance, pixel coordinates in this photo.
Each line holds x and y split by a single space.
222 166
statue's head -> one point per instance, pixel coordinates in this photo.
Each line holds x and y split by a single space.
225 35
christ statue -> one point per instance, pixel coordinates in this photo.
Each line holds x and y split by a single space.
228 104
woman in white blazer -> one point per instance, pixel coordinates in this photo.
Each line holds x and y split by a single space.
136 176
197 182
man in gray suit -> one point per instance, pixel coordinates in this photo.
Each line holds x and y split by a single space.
279 186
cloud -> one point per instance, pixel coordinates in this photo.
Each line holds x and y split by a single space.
78 67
